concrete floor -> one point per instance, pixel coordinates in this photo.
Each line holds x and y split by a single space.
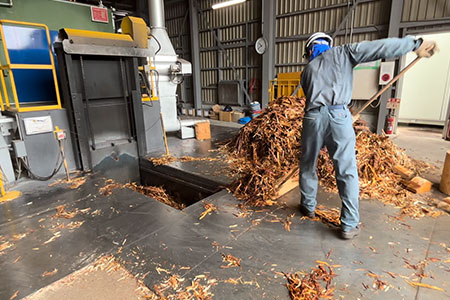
147 236
95 281
424 143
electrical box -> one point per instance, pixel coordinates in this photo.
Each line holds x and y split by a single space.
365 80
19 148
386 72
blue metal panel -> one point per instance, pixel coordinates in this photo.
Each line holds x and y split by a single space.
26 45
35 85
30 46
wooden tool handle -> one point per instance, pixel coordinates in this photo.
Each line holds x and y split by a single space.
164 135
381 91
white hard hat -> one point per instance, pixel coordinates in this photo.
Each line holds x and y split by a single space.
313 39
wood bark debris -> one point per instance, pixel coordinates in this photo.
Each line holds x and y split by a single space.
175 289
232 262
209 208
269 147
155 192
313 286
168 159
62 213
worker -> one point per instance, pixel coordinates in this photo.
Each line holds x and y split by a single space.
327 82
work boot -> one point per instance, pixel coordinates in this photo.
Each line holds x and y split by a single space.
350 234
306 212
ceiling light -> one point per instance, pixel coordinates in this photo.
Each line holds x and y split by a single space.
227 3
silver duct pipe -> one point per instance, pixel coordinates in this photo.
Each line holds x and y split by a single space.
167 64
156 13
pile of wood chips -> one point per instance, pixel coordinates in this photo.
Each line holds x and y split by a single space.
313 286
268 147
157 193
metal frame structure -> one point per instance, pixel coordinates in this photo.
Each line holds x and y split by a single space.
268 59
195 55
10 67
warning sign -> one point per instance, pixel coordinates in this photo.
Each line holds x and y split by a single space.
99 14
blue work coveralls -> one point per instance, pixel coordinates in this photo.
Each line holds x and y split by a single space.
327 82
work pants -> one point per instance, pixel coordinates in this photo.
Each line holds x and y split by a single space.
332 127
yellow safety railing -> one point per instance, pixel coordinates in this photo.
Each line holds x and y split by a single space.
285 85
11 67
280 88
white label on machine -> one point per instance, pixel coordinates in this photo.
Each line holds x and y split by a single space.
38 125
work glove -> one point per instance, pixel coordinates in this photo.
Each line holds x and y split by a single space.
427 49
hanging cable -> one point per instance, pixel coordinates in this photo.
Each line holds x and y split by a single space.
45 178
159 44
352 25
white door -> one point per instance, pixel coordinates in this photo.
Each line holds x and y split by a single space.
425 89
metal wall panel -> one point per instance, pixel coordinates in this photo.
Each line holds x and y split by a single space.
296 20
239 26
421 10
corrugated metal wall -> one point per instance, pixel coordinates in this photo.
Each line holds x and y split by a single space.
239 26
420 10
237 29
296 20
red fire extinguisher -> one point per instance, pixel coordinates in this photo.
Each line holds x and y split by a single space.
390 120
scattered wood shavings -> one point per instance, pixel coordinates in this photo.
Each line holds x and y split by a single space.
209 208
75 224
62 213
109 187
18 237
419 284
168 159
313 286
5 246
288 222
77 182
157 193
14 295
49 273
232 262
163 160
175 289
54 237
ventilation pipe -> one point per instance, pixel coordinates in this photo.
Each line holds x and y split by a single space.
156 13
170 68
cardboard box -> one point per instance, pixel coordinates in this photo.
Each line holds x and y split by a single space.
202 131
236 115
214 116
226 116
